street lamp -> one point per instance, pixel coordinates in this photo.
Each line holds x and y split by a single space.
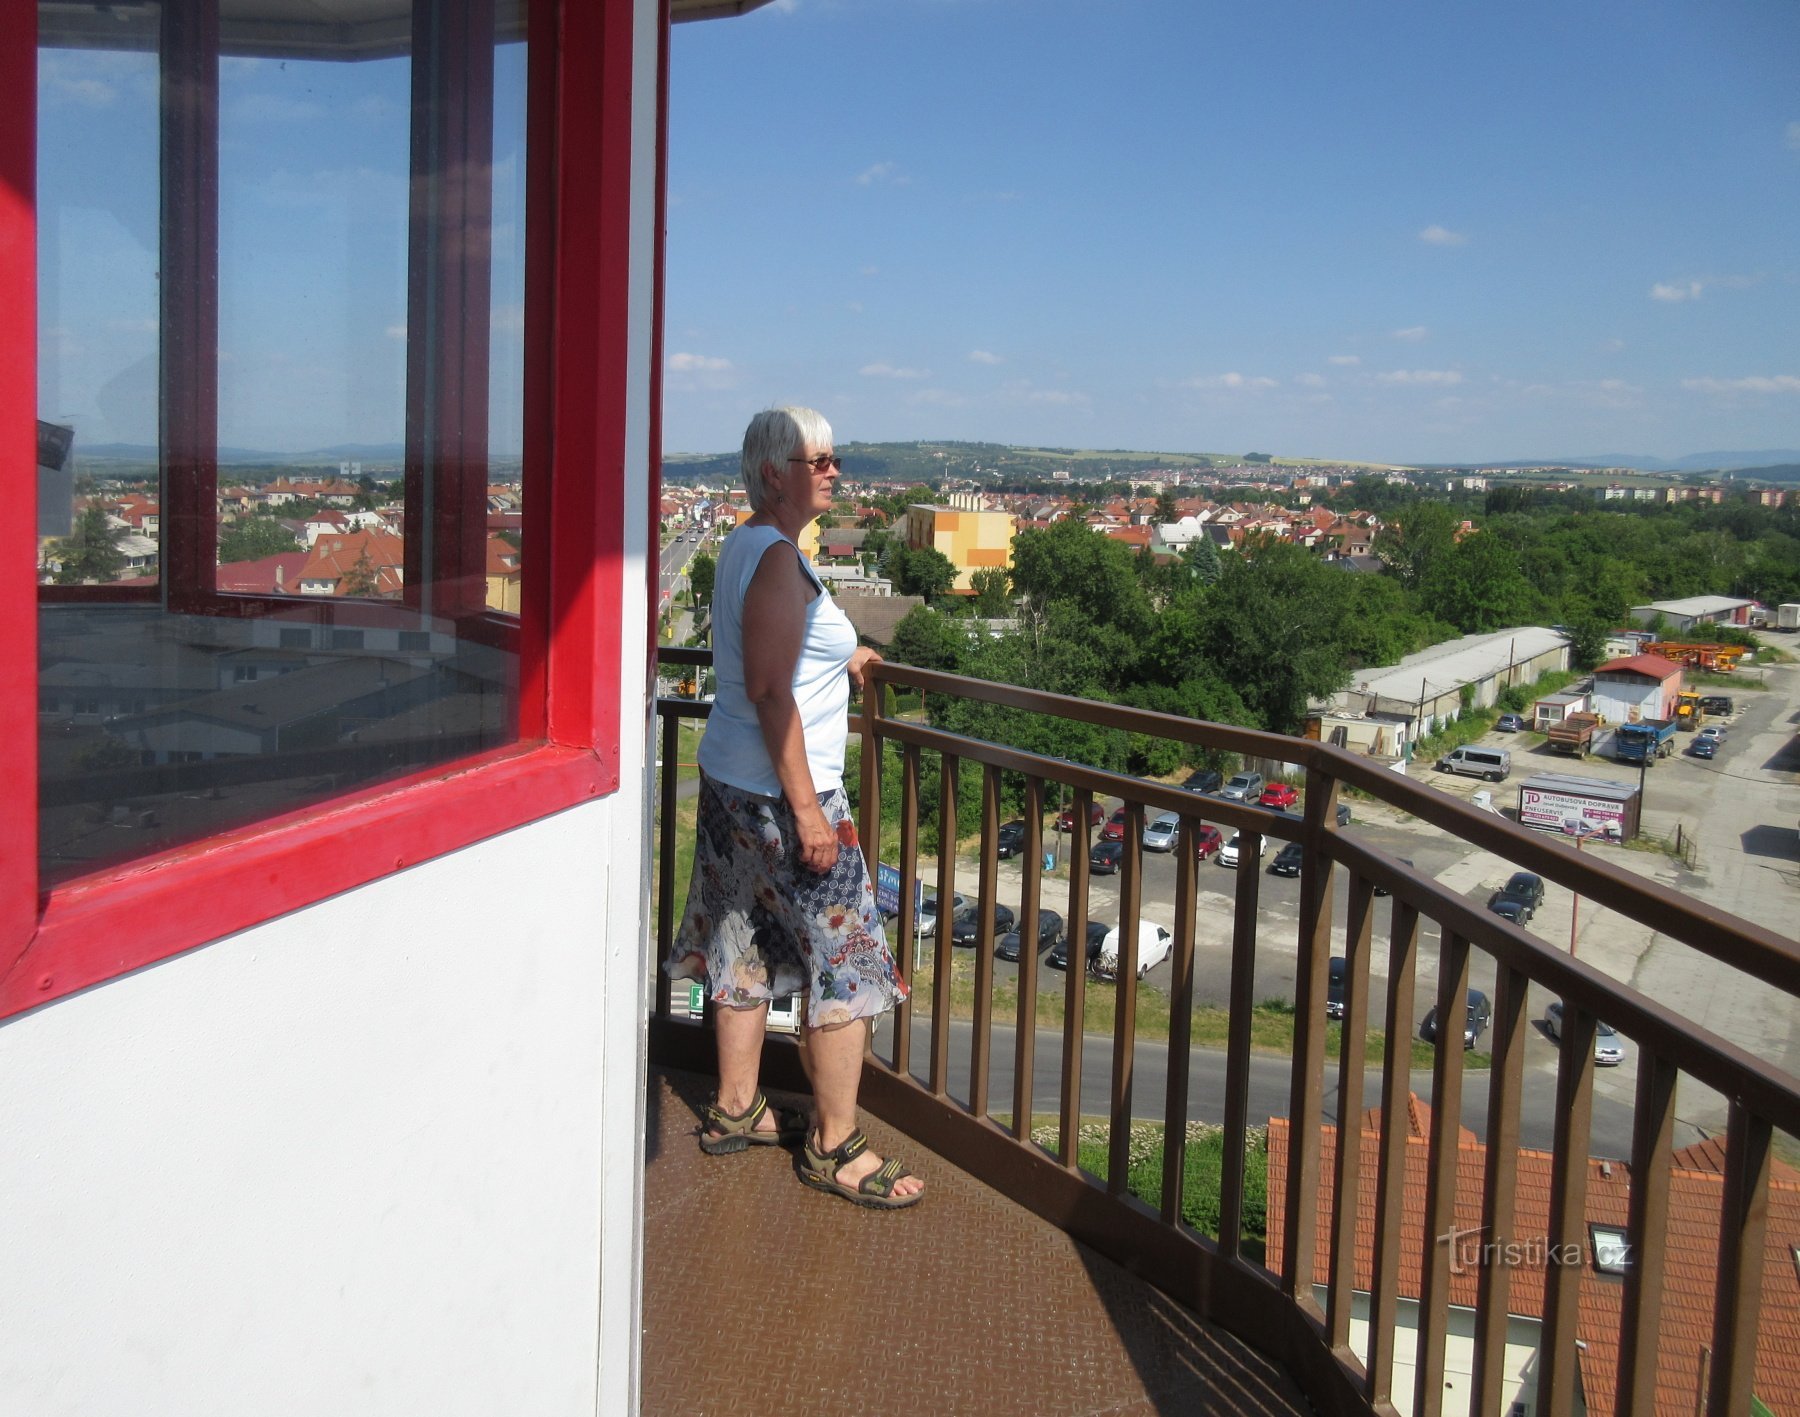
1575 900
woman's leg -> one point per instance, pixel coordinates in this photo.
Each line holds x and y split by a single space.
739 1033
836 1069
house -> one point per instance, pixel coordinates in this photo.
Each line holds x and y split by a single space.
1427 688
971 539
1523 1247
355 563
1683 615
1641 686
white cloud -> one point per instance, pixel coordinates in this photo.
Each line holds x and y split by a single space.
1755 384
981 356
881 172
395 332
1412 334
1442 236
1348 360
888 371
1310 381
1230 380
1793 137
1061 398
1439 378
698 364
1673 292
1612 346
939 398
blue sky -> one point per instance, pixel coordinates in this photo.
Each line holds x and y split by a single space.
1396 231
1387 231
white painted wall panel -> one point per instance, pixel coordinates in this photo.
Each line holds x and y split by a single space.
347 1162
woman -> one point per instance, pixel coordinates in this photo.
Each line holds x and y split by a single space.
780 900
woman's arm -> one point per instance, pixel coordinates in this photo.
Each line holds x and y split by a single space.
774 628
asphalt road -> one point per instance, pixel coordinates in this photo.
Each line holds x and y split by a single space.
1271 1078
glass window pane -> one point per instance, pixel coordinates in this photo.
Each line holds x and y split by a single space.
362 529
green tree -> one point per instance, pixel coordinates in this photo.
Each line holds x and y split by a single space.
928 639
1203 556
1069 562
991 586
925 571
253 538
701 572
1414 539
90 552
1166 510
360 578
1477 585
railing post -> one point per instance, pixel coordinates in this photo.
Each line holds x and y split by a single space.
1568 1204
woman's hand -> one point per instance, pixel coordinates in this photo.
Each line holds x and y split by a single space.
818 840
863 657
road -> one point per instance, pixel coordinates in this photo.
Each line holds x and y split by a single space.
1271 1078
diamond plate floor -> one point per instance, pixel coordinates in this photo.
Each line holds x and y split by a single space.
761 1296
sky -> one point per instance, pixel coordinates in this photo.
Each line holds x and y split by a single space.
1386 231
1406 232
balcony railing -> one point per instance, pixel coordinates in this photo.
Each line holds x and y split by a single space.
1277 1310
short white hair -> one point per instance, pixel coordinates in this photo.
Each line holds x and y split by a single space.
774 436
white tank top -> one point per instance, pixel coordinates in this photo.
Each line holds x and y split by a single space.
733 750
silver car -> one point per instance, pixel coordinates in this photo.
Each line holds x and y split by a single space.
1160 834
1609 1048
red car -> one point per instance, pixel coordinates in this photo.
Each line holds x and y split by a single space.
1280 795
1207 840
1114 830
1066 822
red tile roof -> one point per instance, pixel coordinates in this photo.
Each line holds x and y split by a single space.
1652 666
1690 1242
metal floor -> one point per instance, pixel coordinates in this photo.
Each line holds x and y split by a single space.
761 1296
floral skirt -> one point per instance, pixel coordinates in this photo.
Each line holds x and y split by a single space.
760 926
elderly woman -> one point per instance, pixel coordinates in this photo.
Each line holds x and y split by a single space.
780 900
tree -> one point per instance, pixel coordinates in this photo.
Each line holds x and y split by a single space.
991 586
1203 556
90 552
360 578
1414 539
1477 585
701 572
925 571
253 538
1166 510
928 639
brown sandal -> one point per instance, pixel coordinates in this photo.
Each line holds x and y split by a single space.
721 1133
876 1190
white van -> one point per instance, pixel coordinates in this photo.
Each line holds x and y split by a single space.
1492 763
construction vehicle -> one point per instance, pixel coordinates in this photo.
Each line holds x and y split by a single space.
1689 715
1713 658
1644 742
1574 734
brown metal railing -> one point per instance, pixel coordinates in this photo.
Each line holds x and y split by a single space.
1278 1312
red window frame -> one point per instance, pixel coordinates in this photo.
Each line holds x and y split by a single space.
578 363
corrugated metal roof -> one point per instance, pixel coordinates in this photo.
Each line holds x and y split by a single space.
1445 668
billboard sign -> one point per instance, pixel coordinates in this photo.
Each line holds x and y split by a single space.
1570 813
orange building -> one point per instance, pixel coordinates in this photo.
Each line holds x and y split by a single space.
972 539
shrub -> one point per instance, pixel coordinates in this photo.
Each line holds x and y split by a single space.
1201 1173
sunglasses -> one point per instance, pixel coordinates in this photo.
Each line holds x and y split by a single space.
823 461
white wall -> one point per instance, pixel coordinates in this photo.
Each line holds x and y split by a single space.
347 1162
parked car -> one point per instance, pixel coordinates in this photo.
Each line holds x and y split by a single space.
1287 860
968 923
1717 703
1480 1012
1160 834
1114 830
1207 840
1609 1047
1243 787
1228 854
1343 814
1518 900
1280 795
1404 861
1704 748
1066 821
1713 732
1011 840
1105 858
1058 958
928 911
1510 723
1048 932
1338 972
1154 946
1205 781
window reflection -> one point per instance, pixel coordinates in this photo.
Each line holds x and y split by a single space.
315 645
